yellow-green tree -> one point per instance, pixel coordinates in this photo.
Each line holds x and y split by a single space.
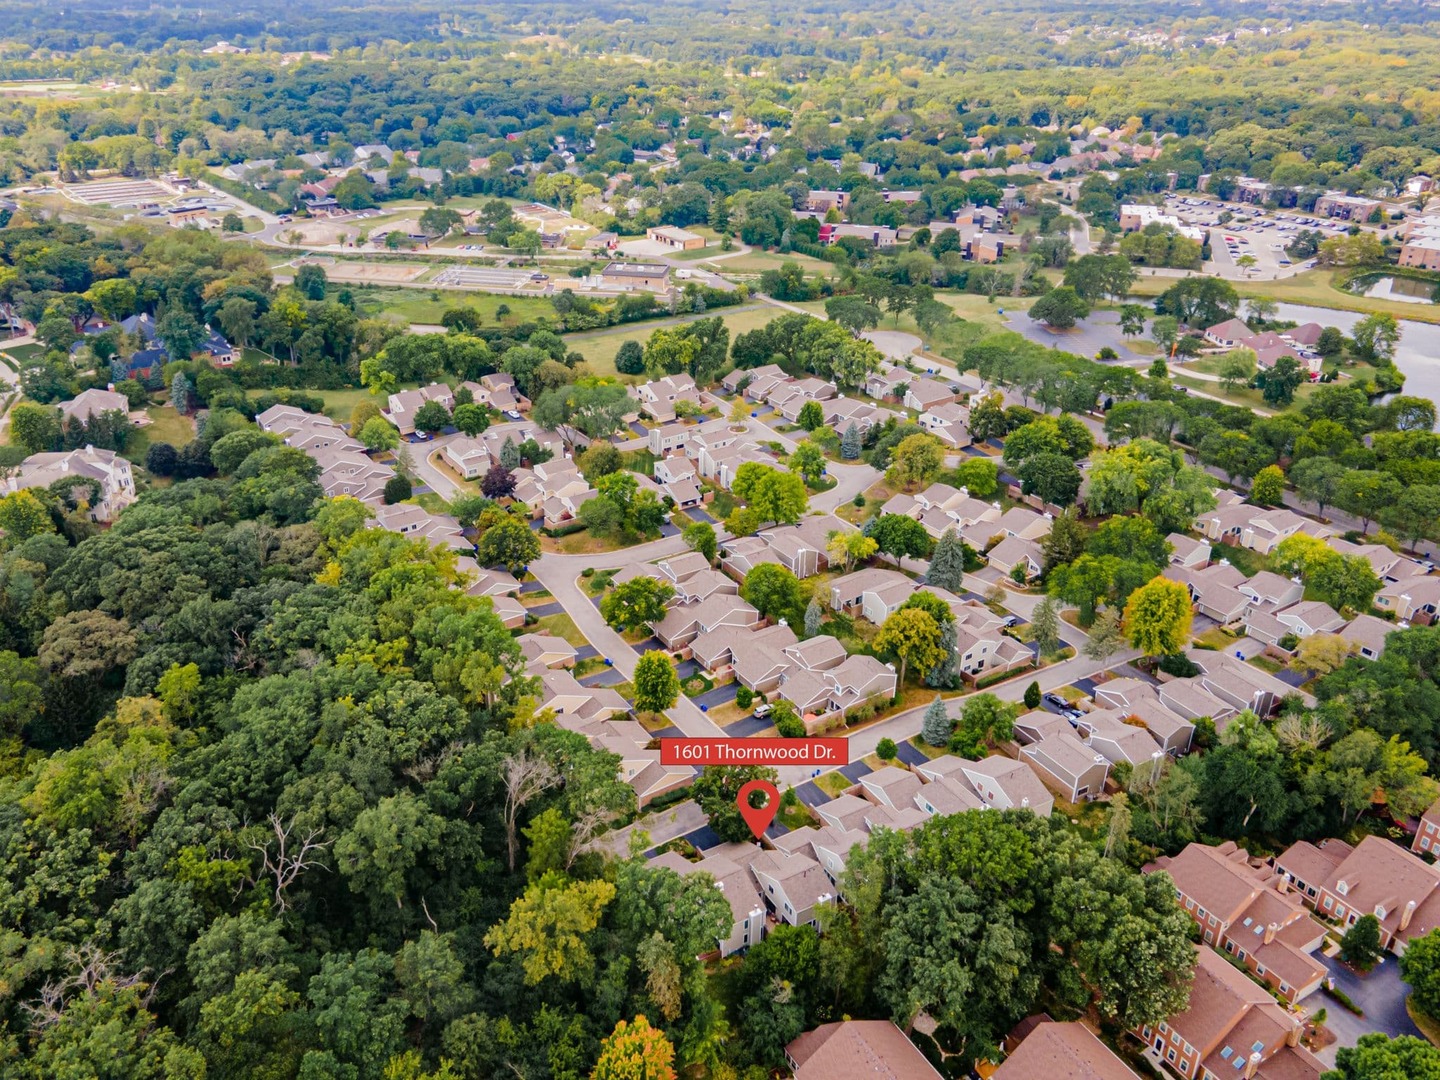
635 1052
1157 617
912 636
917 460
548 927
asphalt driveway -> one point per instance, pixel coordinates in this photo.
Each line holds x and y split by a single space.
721 695
1381 994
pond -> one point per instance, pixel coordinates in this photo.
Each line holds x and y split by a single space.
1418 354
1405 290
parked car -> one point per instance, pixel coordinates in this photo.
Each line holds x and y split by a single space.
762 710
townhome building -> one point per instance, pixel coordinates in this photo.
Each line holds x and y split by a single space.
1414 600
1000 783
731 872
1109 733
981 644
658 399
1230 1028
791 886
1187 553
828 846
1134 698
1069 767
1244 908
1374 877
1051 1051
417 523
949 423
683 623
924 394
800 548
402 406
1301 620
1214 590
1368 635
346 472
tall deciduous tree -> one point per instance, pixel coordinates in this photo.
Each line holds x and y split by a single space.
1158 617
635 1051
656 685
638 602
913 637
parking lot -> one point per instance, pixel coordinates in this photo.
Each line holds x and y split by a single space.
1250 231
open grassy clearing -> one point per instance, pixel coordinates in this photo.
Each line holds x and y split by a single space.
599 347
168 427
418 306
1313 287
757 262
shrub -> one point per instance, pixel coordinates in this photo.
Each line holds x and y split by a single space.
1178 665
397 489
589 571
886 750
744 697
790 726
859 500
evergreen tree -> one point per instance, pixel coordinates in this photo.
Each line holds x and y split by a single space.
1045 622
180 392
935 728
947 565
1032 696
943 673
813 615
1105 635
509 454
850 443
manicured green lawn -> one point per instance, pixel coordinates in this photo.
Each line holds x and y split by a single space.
25 353
168 427
561 626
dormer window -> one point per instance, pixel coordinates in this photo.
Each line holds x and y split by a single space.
1342 888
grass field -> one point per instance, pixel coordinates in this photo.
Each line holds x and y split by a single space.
968 306
168 427
1309 287
1250 399
757 262
419 306
599 347
339 403
25 353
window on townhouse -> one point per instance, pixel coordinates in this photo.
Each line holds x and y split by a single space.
1259 969
1328 903
1170 1055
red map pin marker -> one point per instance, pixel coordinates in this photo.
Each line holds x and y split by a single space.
758 819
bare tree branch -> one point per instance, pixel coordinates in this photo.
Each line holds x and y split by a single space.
526 776
291 856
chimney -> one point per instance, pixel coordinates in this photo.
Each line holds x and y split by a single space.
1292 1037
1406 916
1252 1065
1270 929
